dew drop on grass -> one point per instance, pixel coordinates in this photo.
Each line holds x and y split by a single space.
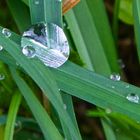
65 106
50 43
115 77
6 32
1 48
108 110
28 51
2 77
132 97
36 2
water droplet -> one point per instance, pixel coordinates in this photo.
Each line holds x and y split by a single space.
28 51
127 86
108 110
65 106
6 32
113 87
132 97
121 63
36 2
50 43
2 77
115 77
1 48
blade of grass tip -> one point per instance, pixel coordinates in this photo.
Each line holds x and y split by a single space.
136 13
21 17
12 113
115 20
40 77
48 128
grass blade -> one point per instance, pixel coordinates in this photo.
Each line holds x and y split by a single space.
136 13
21 17
12 113
49 130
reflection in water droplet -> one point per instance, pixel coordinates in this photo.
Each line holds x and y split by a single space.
50 43
108 110
6 32
1 48
28 51
132 97
115 77
65 107
2 77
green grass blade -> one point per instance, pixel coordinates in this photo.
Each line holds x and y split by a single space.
100 41
53 11
46 11
136 13
12 113
37 11
87 85
48 128
43 82
21 17
115 19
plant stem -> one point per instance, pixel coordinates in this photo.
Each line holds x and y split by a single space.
115 20
13 109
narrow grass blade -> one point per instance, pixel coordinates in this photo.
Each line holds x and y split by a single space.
12 113
136 12
46 11
100 41
39 74
21 17
37 11
48 128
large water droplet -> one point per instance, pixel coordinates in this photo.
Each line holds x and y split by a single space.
50 43
28 51
2 77
115 77
132 97
1 48
6 32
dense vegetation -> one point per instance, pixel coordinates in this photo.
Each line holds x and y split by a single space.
101 78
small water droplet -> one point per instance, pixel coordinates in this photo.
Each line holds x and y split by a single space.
108 110
6 32
51 48
36 2
115 77
132 97
127 86
59 89
65 106
121 63
1 48
18 125
113 87
28 51
2 77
